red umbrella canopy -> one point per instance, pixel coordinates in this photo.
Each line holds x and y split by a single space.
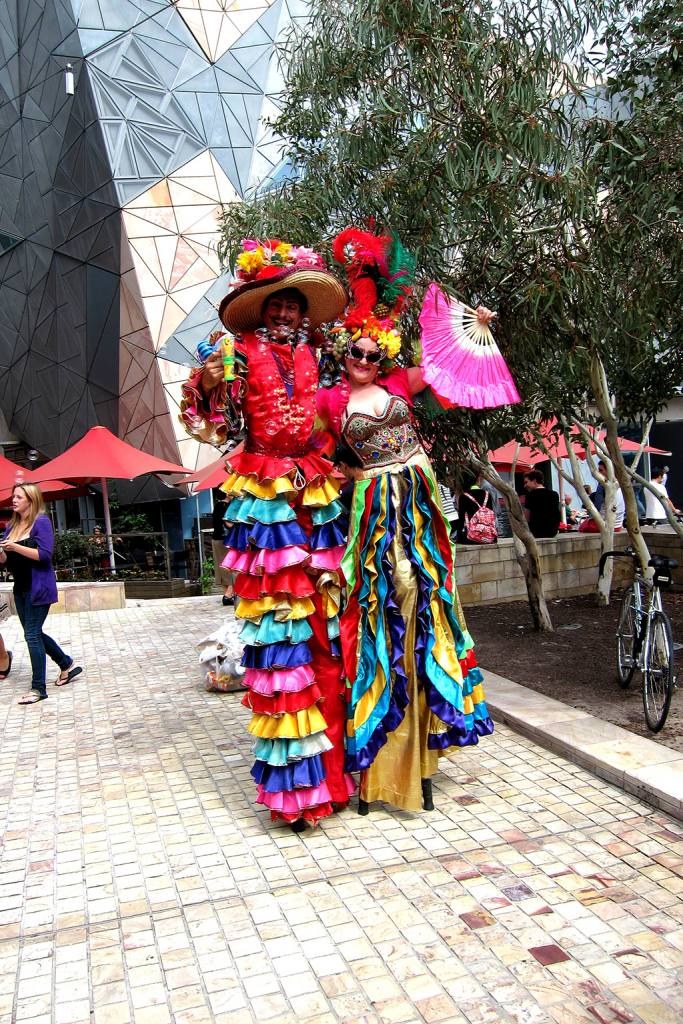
12 473
213 475
99 454
529 455
633 446
209 476
503 457
52 490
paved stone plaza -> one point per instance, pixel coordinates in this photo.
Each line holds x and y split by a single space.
140 883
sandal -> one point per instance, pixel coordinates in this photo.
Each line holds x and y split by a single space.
32 697
3 675
67 674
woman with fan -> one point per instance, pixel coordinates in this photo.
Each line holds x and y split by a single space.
414 686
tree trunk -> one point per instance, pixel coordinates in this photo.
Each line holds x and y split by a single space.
605 525
605 406
526 549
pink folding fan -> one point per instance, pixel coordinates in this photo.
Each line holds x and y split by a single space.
460 359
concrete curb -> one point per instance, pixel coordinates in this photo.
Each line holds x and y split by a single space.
649 770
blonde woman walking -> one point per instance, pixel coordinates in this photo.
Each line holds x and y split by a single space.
26 548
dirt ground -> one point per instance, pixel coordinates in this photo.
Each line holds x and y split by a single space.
575 663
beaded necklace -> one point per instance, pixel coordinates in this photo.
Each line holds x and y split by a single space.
273 339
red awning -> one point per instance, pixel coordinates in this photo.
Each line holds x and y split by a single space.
99 454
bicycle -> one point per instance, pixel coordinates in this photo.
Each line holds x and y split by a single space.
644 637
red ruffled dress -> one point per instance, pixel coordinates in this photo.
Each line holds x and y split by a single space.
284 542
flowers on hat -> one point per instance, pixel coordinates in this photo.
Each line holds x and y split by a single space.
261 260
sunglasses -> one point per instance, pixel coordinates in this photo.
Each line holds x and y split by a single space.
360 354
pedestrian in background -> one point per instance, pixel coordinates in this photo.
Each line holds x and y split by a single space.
656 504
26 548
224 577
542 505
5 659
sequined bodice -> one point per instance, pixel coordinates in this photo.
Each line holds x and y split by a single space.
383 440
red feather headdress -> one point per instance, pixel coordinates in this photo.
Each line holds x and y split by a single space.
380 277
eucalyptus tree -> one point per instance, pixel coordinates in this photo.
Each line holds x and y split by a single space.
481 132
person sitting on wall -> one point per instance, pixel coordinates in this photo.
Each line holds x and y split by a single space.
542 505
656 504
589 525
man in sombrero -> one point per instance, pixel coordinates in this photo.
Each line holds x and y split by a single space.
283 540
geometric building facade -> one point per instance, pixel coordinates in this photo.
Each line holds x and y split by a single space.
109 200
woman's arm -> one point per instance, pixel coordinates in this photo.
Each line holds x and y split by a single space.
43 537
416 381
20 549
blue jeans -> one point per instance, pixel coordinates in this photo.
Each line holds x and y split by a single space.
32 617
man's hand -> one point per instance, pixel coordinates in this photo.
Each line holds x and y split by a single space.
212 374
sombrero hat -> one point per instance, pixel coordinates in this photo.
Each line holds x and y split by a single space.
241 308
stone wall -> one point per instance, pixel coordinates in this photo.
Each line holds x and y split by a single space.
491 575
78 597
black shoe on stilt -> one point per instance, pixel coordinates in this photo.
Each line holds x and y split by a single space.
299 825
427 798
363 806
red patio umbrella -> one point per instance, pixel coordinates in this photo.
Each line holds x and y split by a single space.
504 456
12 473
52 490
97 456
213 475
529 455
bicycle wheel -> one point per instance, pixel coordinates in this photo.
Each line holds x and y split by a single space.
658 671
627 630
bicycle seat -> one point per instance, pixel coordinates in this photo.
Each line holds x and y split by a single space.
662 563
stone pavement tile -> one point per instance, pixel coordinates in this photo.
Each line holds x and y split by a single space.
140 884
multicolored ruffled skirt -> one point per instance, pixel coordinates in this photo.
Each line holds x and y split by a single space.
284 543
414 688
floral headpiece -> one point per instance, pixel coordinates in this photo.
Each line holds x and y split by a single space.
259 261
380 274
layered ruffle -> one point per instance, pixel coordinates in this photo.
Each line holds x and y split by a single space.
249 509
390 512
283 542
269 631
283 703
282 752
266 468
279 680
289 726
255 563
307 773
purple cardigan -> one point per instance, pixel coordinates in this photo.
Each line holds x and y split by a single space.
43 579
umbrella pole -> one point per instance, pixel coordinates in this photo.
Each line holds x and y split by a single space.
107 525
199 535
